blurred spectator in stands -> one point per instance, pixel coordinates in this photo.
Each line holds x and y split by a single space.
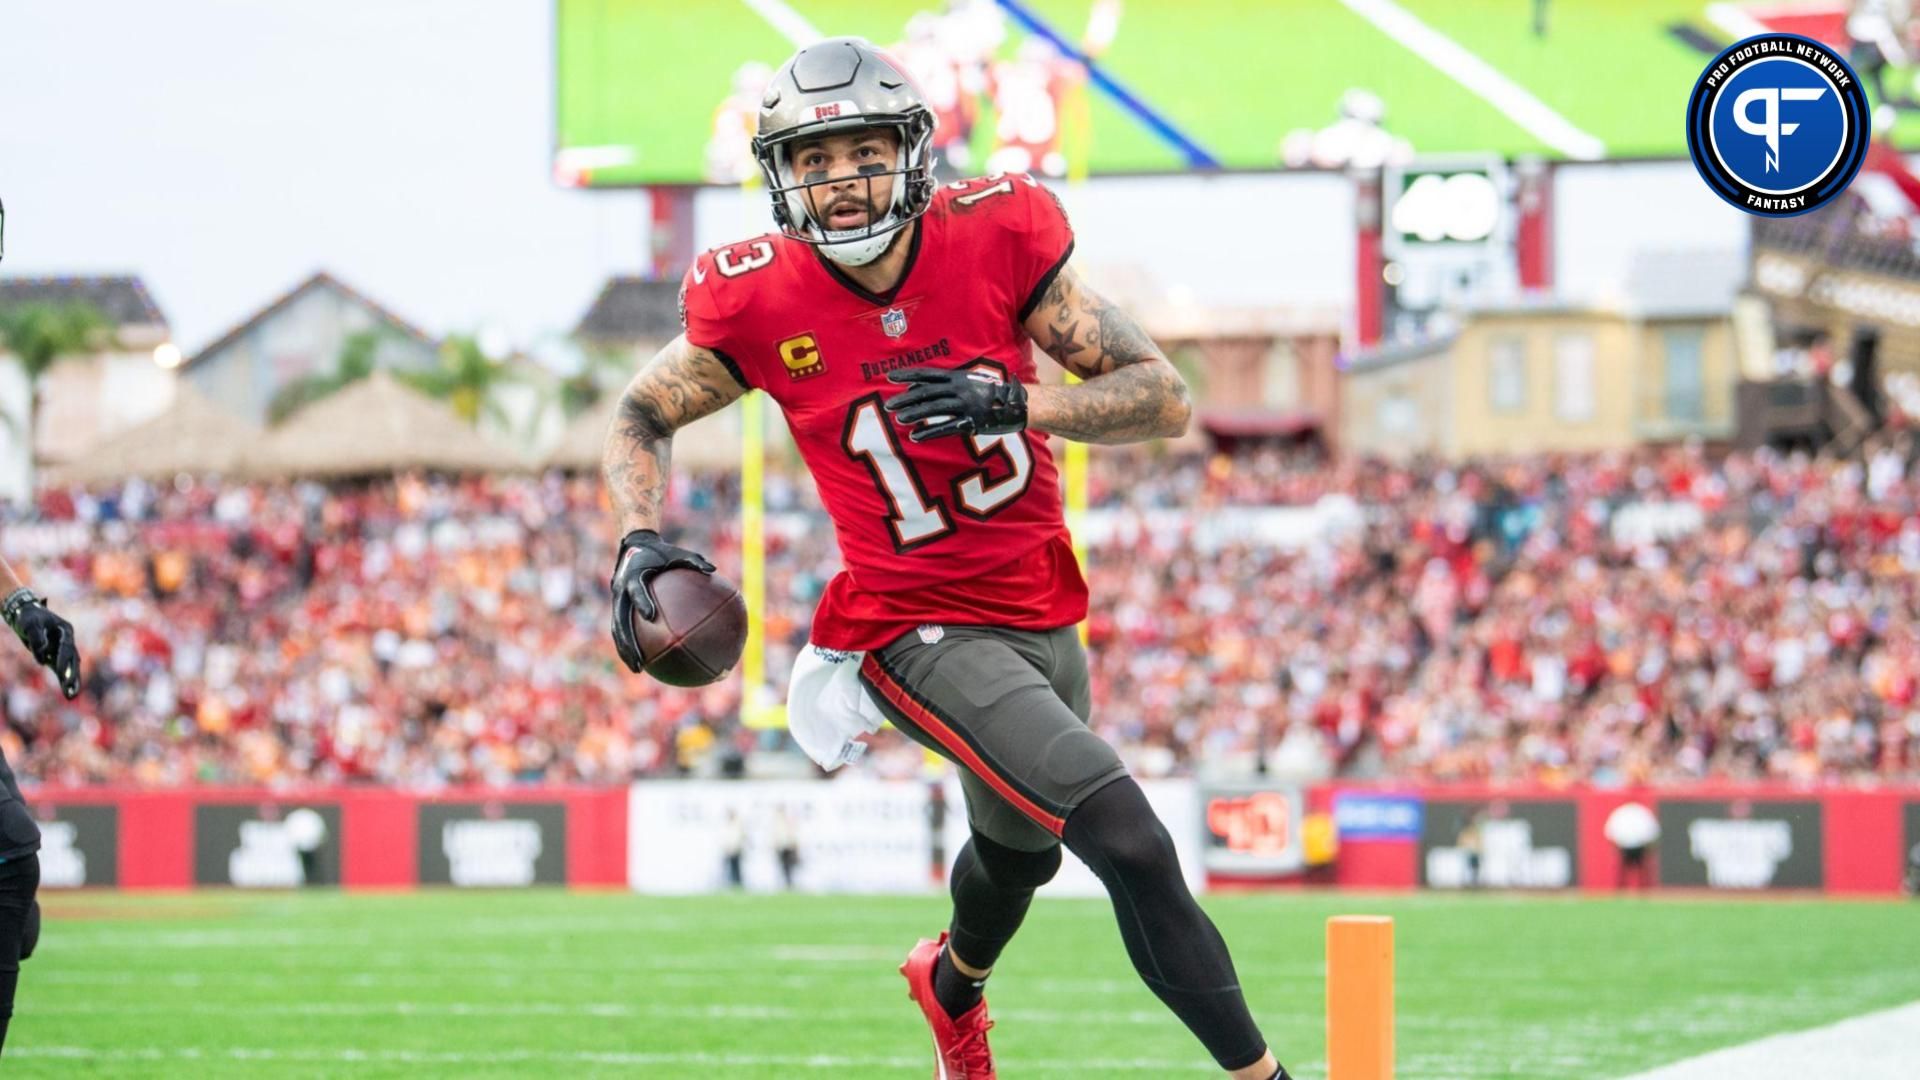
1619 617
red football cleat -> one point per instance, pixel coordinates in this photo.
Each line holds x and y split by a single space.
959 1046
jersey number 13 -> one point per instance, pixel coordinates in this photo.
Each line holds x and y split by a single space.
915 516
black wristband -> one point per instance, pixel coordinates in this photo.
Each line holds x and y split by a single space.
16 600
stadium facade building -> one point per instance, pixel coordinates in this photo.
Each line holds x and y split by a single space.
631 315
1547 375
298 335
1840 290
1836 297
84 398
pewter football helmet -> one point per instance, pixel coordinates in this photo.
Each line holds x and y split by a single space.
844 84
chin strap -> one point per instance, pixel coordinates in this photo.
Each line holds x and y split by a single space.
861 251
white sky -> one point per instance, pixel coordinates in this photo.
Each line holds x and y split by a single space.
225 149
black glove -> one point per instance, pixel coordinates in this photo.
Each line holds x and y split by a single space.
968 401
47 636
642 555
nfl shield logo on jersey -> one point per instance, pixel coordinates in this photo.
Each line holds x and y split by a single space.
932 632
894 322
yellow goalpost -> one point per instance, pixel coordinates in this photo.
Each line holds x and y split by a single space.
762 707
1077 144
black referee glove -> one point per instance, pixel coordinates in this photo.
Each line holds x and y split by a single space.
47 636
964 402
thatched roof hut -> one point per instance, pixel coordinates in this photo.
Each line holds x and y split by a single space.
377 425
193 435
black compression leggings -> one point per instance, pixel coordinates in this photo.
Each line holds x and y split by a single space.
1173 945
992 886
19 879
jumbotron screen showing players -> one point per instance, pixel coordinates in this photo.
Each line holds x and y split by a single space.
1172 86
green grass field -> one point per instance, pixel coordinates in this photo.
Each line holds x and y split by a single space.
221 984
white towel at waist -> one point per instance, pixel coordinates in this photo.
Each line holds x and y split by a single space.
827 707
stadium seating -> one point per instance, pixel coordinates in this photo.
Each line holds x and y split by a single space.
1659 615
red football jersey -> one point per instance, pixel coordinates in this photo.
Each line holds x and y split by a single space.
962 529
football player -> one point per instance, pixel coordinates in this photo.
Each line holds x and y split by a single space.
890 318
50 639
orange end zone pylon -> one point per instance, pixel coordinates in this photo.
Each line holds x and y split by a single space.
1360 997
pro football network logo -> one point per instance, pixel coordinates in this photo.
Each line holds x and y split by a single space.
1778 125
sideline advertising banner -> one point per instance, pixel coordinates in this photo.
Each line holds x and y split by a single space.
266 845
850 835
1741 844
493 844
858 834
1499 844
1253 832
1361 815
79 845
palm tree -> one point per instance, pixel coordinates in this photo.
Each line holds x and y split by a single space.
354 363
466 380
40 336
601 369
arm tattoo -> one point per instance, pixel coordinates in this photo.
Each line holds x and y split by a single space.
1056 291
639 451
680 385
1077 319
1135 403
1131 391
1122 342
1060 344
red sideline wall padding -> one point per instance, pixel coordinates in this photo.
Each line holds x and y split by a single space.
1835 840
1859 826
597 840
381 841
176 839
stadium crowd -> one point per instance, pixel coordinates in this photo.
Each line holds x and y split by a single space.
1617 617
1606 618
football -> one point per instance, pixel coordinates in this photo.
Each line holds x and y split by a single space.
700 632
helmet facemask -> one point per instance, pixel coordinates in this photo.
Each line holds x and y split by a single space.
912 186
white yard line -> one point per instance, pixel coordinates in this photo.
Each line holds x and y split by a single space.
370 975
595 1010
1877 1046
639 1060
792 25
1479 78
